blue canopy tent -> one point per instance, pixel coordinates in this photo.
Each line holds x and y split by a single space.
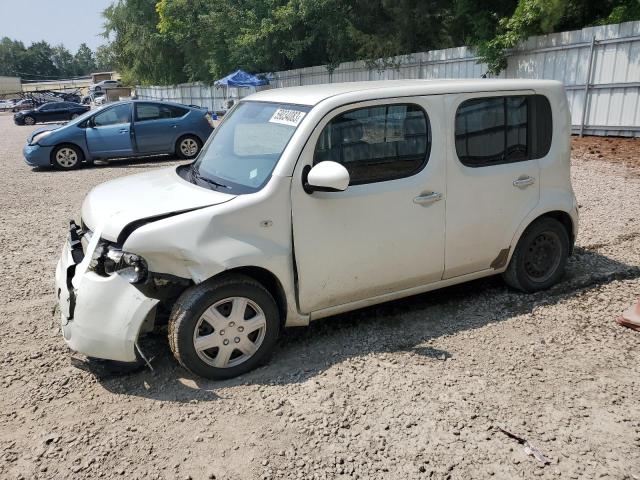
239 79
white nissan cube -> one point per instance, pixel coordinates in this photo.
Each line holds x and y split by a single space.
310 201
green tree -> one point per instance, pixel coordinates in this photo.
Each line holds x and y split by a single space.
38 61
105 58
139 52
12 57
171 41
64 61
84 60
536 17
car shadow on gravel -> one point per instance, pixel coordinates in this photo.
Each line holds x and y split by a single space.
404 325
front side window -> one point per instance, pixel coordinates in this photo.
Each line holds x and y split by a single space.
246 147
496 130
113 116
378 143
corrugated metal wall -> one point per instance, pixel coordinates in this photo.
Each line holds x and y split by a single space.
598 64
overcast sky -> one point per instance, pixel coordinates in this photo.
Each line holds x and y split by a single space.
69 22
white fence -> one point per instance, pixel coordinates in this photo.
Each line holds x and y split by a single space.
599 66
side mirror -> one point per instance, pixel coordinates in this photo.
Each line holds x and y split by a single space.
326 176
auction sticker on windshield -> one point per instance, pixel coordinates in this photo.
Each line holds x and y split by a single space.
287 116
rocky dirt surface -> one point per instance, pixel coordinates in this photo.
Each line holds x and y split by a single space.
408 390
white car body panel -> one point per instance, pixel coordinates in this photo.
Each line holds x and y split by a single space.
122 201
329 251
337 234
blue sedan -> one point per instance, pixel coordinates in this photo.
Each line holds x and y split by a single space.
119 130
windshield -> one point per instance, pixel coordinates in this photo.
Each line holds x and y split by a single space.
246 147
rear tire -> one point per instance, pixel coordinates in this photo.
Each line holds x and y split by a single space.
540 257
224 327
67 157
74 116
188 147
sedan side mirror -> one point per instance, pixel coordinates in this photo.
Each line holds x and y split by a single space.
326 176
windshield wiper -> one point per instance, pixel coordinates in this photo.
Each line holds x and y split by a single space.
195 174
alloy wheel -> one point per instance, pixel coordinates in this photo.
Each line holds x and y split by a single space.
229 332
189 147
66 157
29 121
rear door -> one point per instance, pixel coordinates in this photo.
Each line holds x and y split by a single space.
109 132
492 176
156 127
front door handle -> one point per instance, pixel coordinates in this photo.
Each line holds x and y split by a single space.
524 181
124 130
427 198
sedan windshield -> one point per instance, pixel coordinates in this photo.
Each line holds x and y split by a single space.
246 147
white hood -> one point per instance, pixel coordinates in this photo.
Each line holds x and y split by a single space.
117 203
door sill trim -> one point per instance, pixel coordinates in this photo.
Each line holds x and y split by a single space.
387 297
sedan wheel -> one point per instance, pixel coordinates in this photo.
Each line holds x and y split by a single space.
66 158
74 116
188 147
29 121
224 327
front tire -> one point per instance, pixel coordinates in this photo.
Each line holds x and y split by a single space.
540 257
29 120
188 147
224 327
74 116
67 157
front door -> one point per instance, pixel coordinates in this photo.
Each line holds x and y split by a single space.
109 132
385 232
49 112
492 177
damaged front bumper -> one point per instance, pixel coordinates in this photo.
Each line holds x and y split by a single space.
101 316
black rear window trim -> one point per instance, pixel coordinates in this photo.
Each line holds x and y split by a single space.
530 155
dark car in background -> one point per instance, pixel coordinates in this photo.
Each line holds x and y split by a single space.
132 128
50 112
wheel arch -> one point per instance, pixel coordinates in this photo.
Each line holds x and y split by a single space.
67 144
268 280
564 217
181 135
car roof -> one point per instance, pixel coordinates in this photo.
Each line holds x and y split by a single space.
314 94
162 102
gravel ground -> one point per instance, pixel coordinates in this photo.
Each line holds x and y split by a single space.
411 389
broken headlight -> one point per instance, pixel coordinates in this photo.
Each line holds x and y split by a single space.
108 260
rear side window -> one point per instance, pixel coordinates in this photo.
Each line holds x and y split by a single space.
378 143
496 130
156 111
177 112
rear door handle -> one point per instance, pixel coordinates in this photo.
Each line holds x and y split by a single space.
524 181
427 198
124 130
